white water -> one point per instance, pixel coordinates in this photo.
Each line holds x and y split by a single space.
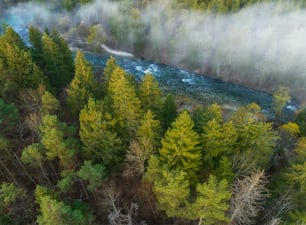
116 52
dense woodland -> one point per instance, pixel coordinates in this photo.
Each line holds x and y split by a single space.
84 145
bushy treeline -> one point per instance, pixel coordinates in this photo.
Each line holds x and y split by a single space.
79 147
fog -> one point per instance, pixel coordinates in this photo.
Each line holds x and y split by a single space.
258 43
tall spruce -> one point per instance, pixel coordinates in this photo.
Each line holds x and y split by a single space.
97 133
58 61
149 93
126 105
82 87
180 146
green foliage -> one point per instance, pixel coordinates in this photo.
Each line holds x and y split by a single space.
301 121
280 98
68 179
180 146
109 68
82 87
94 174
256 138
212 202
169 111
17 70
33 154
49 104
9 193
149 93
58 60
36 49
96 36
12 38
97 133
58 140
57 212
219 139
172 191
8 116
202 115
149 129
126 105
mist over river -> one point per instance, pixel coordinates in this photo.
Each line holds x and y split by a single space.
173 79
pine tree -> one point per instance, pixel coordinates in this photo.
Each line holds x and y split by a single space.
169 112
109 68
149 129
36 49
180 148
202 116
11 37
149 93
49 104
126 105
57 212
17 71
82 86
58 140
256 138
280 98
8 117
212 202
219 139
97 133
58 61
172 191
94 174
140 149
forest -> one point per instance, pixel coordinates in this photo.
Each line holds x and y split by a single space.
85 145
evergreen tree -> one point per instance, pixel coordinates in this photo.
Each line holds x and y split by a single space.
49 104
36 49
82 86
256 138
58 61
172 191
58 140
149 129
97 133
8 117
169 111
280 98
149 93
109 68
140 149
218 141
212 202
94 174
17 71
202 115
180 148
57 212
12 38
126 105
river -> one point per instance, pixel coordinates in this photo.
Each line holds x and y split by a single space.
177 81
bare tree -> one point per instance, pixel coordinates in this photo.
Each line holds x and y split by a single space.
280 207
249 194
118 215
136 156
274 221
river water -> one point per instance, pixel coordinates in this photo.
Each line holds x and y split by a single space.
175 80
